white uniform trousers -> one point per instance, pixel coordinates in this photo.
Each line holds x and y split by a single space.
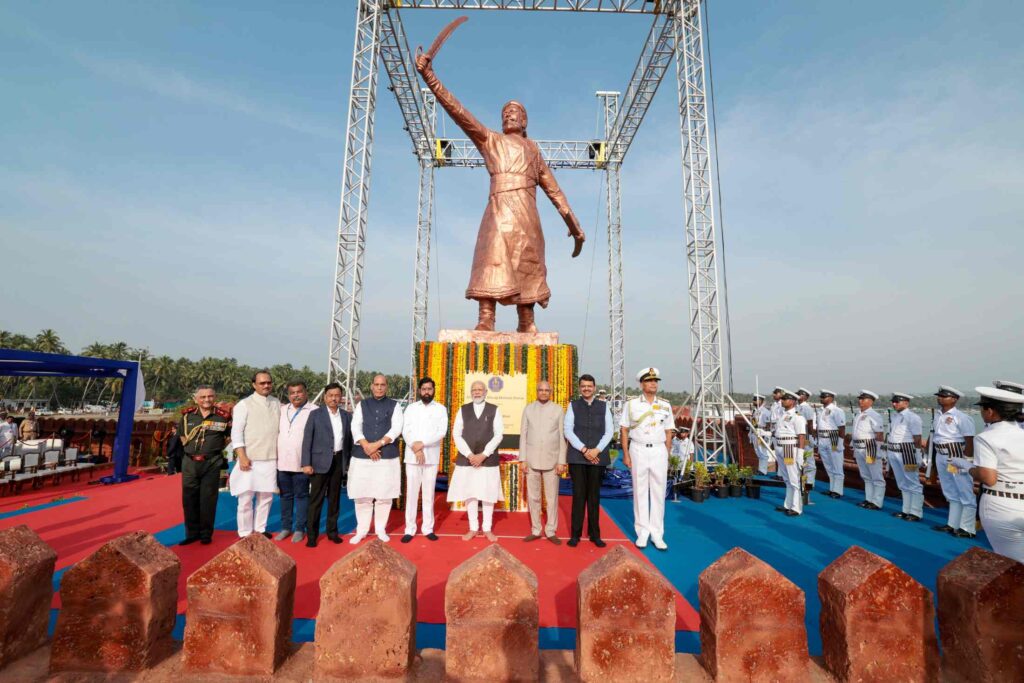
832 461
909 483
871 475
958 489
247 522
1003 521
419 479
790 473
764 456
650 475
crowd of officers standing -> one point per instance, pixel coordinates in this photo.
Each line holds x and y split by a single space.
790 431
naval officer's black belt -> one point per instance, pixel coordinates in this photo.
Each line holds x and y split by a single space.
646 445
832 435
785 440
1004 494
953 448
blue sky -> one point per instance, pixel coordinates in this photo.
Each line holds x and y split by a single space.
171 174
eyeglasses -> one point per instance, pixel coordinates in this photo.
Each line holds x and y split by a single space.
262 383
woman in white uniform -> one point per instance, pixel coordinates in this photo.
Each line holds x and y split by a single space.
999 466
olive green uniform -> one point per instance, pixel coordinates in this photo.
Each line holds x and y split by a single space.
204 439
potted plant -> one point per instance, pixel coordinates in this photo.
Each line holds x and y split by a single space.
753 489
732 474
701 481
721 486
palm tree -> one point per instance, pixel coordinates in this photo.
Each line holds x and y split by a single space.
48 341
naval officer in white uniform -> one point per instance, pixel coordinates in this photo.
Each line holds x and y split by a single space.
903 446
953 437
790 438
866 440
831 430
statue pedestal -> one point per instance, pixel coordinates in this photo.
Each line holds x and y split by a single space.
496 337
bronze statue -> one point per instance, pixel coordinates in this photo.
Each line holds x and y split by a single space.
508 262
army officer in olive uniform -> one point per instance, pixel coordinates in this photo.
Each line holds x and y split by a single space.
205 431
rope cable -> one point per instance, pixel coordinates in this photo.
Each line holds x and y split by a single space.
593 261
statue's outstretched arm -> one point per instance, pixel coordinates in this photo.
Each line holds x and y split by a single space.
547 182
475 131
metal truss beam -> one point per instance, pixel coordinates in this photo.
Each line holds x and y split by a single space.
401 70
424 225
616 6
701 241
343 355
585 154
616 308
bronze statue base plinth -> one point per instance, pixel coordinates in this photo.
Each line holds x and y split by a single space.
533 338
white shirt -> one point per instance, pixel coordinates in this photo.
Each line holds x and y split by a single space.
952 426
682 447
1000 447
428 423
866 425
357 424
646 421
337 428
904 426
806 411
790 425
776 411
492 445
831 418
761 416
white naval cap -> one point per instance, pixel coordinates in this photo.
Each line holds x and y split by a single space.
1000 395
801 390
786 393
946 390
827 392
864 393
758 397
778 389
901 396
1015 387
648 373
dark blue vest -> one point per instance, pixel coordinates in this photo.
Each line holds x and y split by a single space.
588 425
376 423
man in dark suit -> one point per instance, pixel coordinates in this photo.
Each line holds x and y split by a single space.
326 449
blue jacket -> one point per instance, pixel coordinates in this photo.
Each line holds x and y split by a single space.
318 440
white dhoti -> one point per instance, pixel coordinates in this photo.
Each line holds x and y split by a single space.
475 483
1003 521
650 475
259 482
907 477
419 482
789 460
373 484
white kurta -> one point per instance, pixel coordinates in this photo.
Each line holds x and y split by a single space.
476 483
262 477
380 479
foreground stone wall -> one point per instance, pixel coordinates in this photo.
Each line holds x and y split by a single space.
877 623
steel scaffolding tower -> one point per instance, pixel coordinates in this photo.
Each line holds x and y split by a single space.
677 32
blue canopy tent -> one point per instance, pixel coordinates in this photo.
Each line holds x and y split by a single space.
32 364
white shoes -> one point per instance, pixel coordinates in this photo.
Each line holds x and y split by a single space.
356 539
384 537
641 542
660 544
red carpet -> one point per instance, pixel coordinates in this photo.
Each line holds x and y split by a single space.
154 504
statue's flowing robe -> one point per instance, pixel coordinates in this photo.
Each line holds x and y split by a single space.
508 262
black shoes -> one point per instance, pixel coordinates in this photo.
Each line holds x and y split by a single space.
779 508
573 542
792 513
310 541
945 527
334 538
206 541
960 533
911 518
431 537
899 515
833 494
872 506
598 542
407 538
268 534
863 504
189 541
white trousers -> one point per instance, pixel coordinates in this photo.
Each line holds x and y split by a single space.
790 473
909 483
958 489
367 509
247 522
871 474
832 461
1003 520
650 476
764 458
474 521
419 479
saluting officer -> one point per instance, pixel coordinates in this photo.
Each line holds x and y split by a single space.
806 411
865 439
953 437
831 429
790 439
205 432
903 446
761 418
647 426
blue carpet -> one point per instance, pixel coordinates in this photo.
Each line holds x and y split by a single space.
798 547
42 506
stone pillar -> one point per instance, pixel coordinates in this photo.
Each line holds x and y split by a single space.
877 623
366 627
981 618
626 621
26 590
490 606
240 604
751 621
118 607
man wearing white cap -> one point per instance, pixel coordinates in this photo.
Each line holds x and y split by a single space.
999 466
806 411
865 439
759 434
647 426
831 429
790 440
953 437
903 445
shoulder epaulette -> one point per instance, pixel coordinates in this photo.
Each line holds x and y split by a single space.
191 409
222 412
